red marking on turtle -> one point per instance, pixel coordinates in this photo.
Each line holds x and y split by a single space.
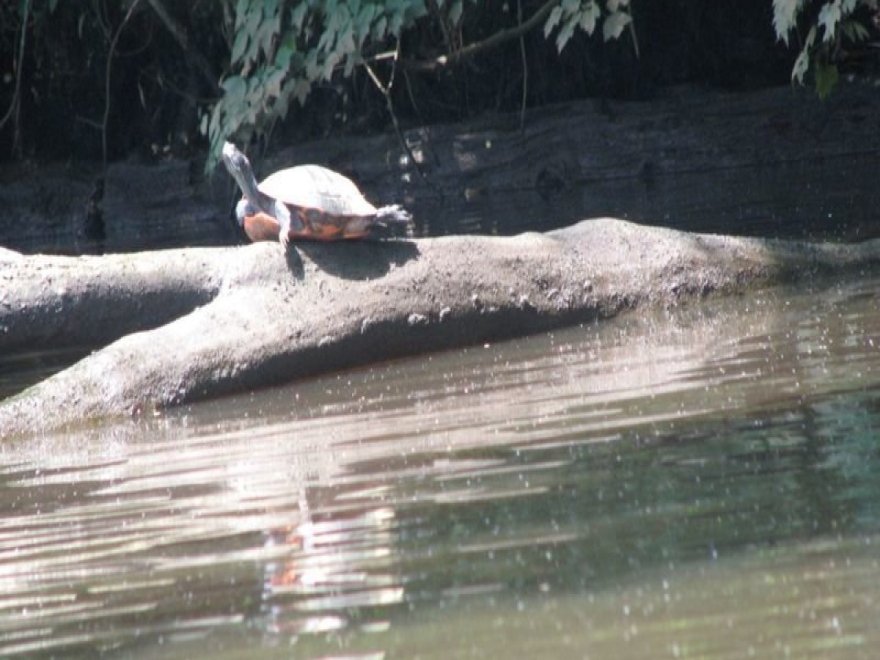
317 226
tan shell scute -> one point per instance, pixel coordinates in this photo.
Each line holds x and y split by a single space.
316 187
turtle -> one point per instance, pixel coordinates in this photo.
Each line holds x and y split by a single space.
304 202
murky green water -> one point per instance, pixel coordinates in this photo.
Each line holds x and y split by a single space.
698 483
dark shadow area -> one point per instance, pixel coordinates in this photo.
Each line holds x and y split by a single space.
294 262
21 369
359 260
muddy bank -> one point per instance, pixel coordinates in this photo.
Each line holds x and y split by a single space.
239 318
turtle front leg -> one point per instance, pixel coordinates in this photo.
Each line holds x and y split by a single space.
283 216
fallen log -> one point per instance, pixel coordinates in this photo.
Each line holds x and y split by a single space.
194 324
70 301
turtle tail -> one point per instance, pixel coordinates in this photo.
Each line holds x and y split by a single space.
396 218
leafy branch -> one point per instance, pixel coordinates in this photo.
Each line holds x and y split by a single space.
277 56
831 23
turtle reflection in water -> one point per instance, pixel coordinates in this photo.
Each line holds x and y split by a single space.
305 202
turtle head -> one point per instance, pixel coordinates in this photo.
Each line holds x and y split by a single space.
234 159
239 167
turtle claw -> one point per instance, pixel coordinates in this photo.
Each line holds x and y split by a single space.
284 239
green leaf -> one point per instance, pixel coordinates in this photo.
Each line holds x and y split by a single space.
327 40
829 16
365 17
854 30
614 24
330 64
272 84
350 62
265 36
270 8
570 6
413 11
241 10
552 20
252 22
301 90
298 15
589 16
239 46
826 78
455 11
283 56
313 69
784 17
345 41
395 23
802 63
565 32
811 38
333 21
234 87
379 28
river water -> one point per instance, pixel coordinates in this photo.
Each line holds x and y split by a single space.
700 482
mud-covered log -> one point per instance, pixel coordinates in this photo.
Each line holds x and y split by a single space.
49 301
275 317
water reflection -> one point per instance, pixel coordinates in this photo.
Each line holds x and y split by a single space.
694 483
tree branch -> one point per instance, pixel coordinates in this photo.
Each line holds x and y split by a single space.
488 43
525 69
385 90
110 54
15 106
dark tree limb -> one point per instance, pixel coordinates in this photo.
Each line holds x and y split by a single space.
525 68
15 106
110 53
493 41
385 91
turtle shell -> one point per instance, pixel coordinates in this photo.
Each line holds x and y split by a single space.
316 187
328 206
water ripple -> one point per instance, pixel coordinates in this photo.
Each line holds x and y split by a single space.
566 466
